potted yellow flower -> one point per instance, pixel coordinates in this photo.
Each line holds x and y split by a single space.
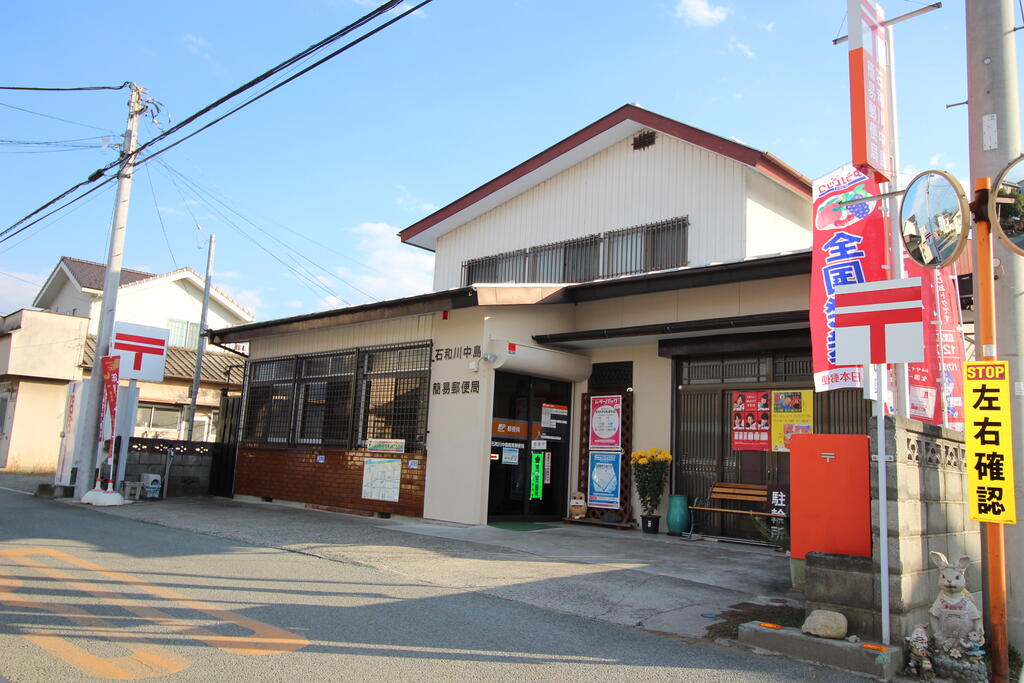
650 471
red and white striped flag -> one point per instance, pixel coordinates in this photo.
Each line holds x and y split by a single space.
879 322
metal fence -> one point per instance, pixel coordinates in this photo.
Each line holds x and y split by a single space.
640 249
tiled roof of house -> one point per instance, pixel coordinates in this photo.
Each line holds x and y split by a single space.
91 275
181 363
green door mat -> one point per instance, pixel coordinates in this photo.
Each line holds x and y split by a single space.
521 526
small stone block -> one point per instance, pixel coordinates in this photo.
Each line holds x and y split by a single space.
825 624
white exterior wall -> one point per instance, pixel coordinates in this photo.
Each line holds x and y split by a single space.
616 188
396 331
778 219
157 303
71 300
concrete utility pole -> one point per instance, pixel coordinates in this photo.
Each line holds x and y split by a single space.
88 434
994 128
201 344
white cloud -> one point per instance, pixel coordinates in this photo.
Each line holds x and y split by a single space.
17 290
295 303
393 269
701 12
742 48
769 27
934 159
328 302
250 298
226 275
169 211
197 45
411 202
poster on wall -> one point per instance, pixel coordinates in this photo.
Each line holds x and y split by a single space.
605 423
751 420
603 482
382 478
792 413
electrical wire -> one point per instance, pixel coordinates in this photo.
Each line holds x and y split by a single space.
90 87
56 118
200 190
300 273
159 217
379 11
59 218
35 284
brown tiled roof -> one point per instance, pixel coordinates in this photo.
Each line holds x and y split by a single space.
181 363
91 275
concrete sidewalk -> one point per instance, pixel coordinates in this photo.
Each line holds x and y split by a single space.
659 583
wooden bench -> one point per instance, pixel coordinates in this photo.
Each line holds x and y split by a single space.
748 493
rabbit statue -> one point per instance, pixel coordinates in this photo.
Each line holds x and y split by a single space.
954 618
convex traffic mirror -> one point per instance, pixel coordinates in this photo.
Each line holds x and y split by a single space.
1006 206
934 219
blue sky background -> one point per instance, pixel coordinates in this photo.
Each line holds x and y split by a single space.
332 165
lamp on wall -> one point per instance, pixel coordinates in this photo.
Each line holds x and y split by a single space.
474 365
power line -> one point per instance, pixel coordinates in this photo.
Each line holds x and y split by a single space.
56 118
383 9
300 274
90 87
159 217
35 284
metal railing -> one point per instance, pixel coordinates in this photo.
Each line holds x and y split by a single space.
630 251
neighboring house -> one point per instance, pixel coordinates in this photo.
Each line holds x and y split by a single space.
639 257
42 351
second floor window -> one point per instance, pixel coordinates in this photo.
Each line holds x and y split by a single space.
183 333
641 249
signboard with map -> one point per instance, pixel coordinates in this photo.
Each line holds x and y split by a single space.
382 478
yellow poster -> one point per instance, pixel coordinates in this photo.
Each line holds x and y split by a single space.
792 413
989 440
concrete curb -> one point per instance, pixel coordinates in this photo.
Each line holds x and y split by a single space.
881 662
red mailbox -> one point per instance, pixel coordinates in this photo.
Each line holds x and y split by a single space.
830 495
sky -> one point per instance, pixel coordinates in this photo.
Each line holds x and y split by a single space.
307 188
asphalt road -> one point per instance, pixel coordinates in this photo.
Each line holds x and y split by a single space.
91 596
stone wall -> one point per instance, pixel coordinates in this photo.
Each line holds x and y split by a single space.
927 510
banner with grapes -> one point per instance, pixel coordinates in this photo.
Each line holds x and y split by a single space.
849 246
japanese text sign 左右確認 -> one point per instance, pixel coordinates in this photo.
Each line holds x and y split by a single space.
988 439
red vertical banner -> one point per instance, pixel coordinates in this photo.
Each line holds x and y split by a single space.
751 421
936 384
869 90
110 366
849 247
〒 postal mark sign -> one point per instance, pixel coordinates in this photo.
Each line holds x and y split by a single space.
879 322
142 349
989 440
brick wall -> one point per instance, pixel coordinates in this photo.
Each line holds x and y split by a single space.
294 474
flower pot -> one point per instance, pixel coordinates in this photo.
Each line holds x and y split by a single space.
650 523
678 518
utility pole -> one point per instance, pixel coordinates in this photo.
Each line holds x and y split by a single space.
201 344
994 129
89 427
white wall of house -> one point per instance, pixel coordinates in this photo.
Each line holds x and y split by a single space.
619 188
154 303
778 219
71 300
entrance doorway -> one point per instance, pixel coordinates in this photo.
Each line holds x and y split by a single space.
529 448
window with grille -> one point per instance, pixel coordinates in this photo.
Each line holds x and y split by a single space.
640 249
340 399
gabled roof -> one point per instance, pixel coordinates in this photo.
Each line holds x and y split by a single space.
606 131
89 275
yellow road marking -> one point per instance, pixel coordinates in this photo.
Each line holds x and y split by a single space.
148 660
